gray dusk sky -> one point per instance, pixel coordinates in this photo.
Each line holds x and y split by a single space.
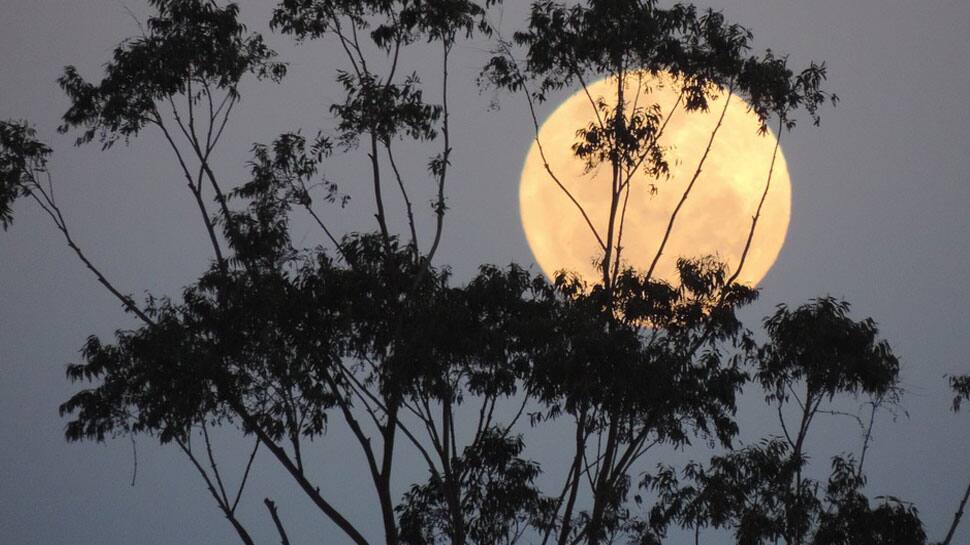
879 216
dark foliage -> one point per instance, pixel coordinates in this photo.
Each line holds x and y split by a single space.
21 156
189 47
961 387
281 342
850 520
818 344
589 40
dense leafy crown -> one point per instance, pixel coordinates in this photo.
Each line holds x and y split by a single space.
281 341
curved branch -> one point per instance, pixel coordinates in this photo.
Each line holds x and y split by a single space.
196 190
445 157
404 195
761 203
548 168
690 186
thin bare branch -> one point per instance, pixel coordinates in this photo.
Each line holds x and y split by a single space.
868 436
580 443
592 102
47 204
784 427
404 195
309 208
240 530
245 477
761 203
445 157
542 152
134 458
212 463
311 491
956 518
619 234
195 188
344 41
548 168
518 415
690 186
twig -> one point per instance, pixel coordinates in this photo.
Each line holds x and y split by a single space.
242 484
545 161
47 204
757 215
957 517
134 457
276 520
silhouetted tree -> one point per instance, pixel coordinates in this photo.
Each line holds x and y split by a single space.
279 342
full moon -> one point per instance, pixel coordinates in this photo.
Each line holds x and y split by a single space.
715 218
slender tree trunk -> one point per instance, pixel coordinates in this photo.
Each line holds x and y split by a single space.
602 491
384 484
577 473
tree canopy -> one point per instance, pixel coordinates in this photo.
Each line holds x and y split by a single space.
279 341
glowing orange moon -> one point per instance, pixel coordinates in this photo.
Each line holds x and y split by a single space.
714 220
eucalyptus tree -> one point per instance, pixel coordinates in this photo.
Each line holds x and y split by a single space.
565 46
278 342
814 354
364 360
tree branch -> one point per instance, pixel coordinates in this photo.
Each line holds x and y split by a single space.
284 540
245 477
957 517
312 492
761 203
690 186
240 530
49 206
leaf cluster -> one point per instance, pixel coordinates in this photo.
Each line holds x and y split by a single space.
21 157
383 109
391 22
187 47
750 492
500 501
820 345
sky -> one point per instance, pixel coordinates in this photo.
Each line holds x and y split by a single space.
880 193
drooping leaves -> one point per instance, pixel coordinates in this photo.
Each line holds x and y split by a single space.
22 156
